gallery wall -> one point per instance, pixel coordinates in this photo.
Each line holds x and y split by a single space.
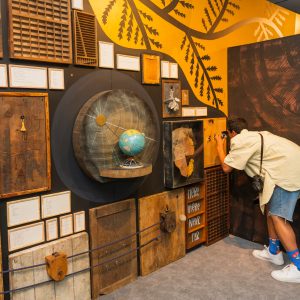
194 34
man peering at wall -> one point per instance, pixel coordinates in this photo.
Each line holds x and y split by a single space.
281 188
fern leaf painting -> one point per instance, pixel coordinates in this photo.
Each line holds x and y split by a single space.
201 33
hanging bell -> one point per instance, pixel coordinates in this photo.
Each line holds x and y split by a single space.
23 128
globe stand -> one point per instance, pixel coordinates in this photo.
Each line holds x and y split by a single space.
125 172
131 163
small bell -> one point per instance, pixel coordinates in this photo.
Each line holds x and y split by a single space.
23 128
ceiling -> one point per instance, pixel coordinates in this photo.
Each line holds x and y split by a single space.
293 5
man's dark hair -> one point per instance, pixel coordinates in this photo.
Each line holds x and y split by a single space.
237 125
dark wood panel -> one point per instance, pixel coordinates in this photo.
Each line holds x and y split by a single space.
25 147
109 223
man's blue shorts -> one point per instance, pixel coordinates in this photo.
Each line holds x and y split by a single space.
283 202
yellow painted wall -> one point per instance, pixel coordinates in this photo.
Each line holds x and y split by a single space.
196 34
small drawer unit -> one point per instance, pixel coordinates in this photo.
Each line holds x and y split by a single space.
195 210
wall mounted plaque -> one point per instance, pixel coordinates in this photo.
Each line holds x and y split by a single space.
128 62
25 148
185 99
56 79
40 30
85 39
3 76
79 221
151 69
28 77
171 98
106 55
66 225
51 229
23 211
25 236
56 204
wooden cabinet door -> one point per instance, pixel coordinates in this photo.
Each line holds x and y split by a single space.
118 261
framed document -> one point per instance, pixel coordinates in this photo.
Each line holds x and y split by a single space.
79 221
56 79
23 211
66 225
165 69
3 76
151 69
25 236
200 111
56 204
188 112
106 55
28 77
51 229
171 98
128 62
77 4
174 70
185 100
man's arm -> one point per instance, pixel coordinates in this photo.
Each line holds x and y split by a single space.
221 153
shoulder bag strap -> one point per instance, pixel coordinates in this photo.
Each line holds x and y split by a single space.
261 151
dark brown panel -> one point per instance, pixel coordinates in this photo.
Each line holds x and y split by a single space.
40 30
25 145
109 223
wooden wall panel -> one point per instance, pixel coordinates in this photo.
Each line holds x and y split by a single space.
75 287
1 275
25 144
85 39
109 223
171 246
211 127
1 34
40 30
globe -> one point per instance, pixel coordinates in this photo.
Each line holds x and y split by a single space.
132 142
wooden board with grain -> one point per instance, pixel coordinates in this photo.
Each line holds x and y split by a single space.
25 146
211 127
75 287
170 246
110 223
1 275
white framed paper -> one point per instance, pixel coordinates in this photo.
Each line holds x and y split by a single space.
25 236
128 62
51 229
165 69
106 55
28 77
66 225
23 211
200 111
77 4
56 79
3 76
173 70
79 221
188 112
56 204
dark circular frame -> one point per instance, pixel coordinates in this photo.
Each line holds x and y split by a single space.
63 121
